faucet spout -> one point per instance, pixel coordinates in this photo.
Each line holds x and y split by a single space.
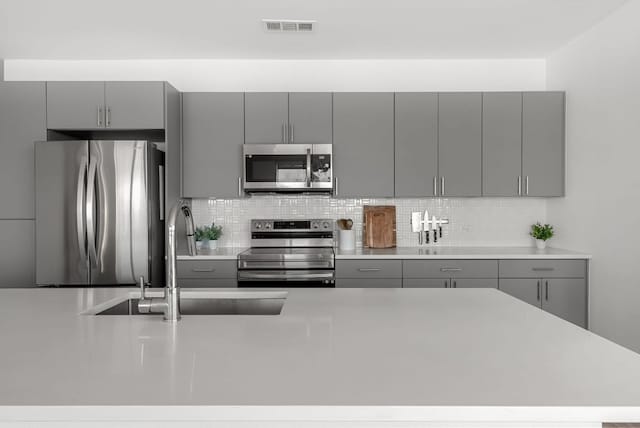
170 303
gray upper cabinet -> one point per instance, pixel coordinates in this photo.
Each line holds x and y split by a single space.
110 105
266 117
134 105
416 144
310 117
460 144
363 133
543 138
75 105
22 121
502 144
212 138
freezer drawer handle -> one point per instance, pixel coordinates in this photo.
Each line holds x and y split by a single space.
542 269
450 269
203 270
369 269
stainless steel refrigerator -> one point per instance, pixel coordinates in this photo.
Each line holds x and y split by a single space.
99 213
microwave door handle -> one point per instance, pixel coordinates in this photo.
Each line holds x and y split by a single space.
308 167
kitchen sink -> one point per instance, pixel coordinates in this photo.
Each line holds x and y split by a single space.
209 306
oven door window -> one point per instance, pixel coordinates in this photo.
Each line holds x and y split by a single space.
276 168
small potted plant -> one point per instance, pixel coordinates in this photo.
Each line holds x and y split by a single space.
199 235
207 236
541 233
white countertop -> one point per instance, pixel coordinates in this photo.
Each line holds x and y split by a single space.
426 252
475 253
333 354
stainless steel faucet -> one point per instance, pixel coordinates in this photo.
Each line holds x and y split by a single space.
170 303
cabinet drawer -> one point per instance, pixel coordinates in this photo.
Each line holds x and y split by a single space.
543 268
206 269
368 268
208 283
369 283
450 269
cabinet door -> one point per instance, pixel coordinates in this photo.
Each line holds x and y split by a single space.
134 105
526 289
426 283
75 105
501 144
266 116
212 138
543 150
474 283
369 283
17 253
416 141
460 144
566 298
310 117
22 121
363 144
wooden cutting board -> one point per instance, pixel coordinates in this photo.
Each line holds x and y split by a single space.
379 226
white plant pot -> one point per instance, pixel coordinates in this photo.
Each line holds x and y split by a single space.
212 244
199 245
540 244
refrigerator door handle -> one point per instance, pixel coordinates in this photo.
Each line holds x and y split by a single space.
161 191
90 213
80 213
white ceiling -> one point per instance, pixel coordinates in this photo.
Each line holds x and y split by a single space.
165 29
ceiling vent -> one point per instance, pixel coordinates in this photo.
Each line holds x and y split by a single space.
288 26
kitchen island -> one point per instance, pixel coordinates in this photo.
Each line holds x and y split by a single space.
340 357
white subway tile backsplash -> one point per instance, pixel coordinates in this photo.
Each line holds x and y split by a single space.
472 221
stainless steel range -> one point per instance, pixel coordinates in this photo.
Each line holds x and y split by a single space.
288 253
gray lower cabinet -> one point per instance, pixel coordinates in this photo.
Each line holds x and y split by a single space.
311 117
543 143
362 273
557 286
17 253
502 144
105 105
460 144
416 144
363 144
207 273
266 117
212 138
450 283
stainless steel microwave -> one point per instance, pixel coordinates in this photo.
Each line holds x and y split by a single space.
288 168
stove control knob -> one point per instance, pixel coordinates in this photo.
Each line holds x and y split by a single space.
267 225
314 225
325 225
258 225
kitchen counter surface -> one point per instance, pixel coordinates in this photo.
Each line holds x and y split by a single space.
460 253
396 355
221 253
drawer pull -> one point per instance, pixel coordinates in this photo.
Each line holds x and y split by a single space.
542 269
369 269
203 269
450 269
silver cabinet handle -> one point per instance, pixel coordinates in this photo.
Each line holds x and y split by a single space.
450 269
455 284
442 186
203 269
99 119
161 191
526 185
542 269
446 283
108 117
335 179
538 297
239 186
435 185
308 168
519 185
283 133
369 269
291 133
546 290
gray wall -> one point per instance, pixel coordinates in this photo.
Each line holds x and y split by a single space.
599 72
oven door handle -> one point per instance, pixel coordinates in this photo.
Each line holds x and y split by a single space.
296 276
